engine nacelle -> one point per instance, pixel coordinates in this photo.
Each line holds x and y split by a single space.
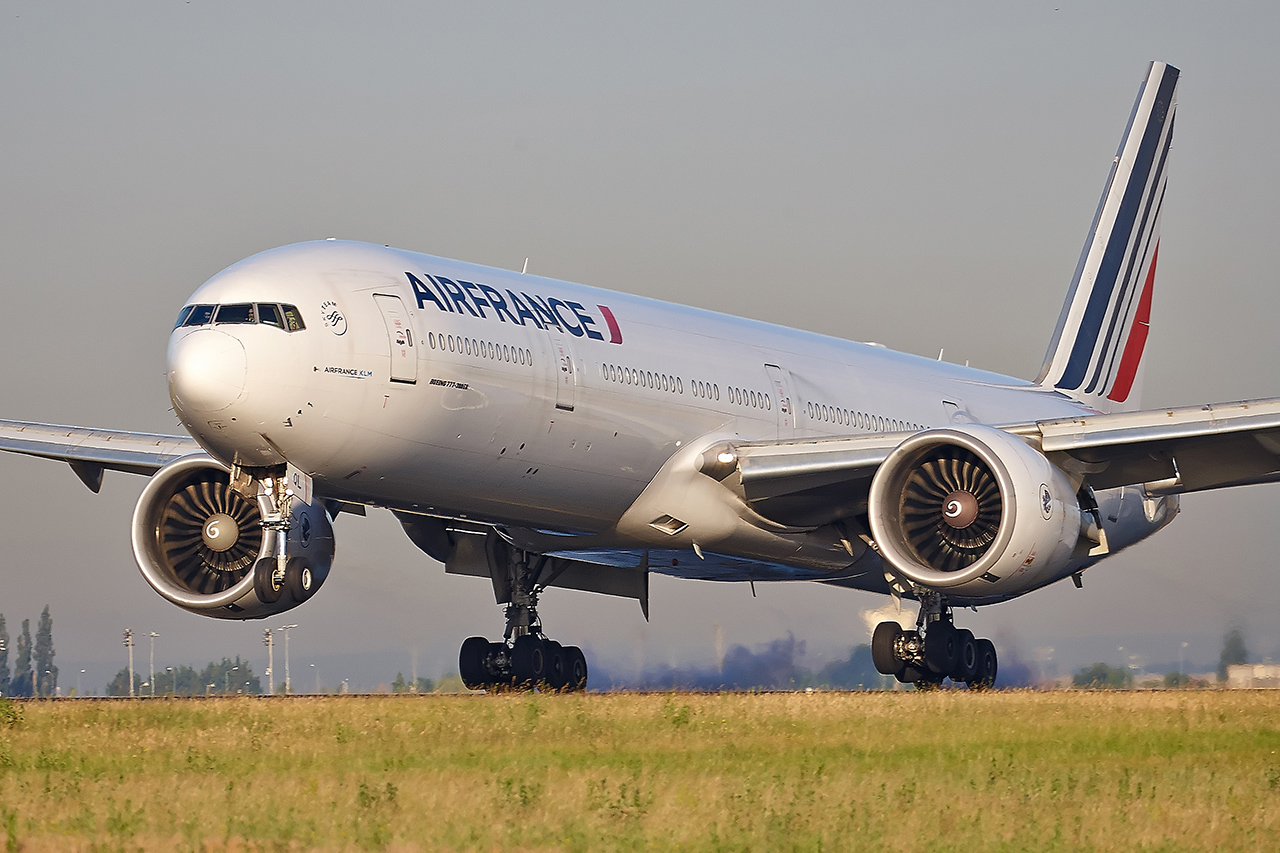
197 541
973 511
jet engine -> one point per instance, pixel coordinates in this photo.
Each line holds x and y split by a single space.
201 544
974 512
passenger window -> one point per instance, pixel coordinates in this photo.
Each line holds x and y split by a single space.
269 315
241 312
200 315
182 315
292 319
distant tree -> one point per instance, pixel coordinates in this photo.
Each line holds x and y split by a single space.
1100 676
22 684
1176 679
1233 652
46 674
400 685
224 677
4 658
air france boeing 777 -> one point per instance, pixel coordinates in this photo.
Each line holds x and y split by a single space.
542 434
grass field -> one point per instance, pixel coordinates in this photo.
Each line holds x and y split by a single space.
1194 770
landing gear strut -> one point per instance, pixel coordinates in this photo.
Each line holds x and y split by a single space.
935 651
526 659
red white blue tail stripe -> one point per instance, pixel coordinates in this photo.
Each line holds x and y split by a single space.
1096 352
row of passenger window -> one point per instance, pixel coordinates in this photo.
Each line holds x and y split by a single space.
747 397
706 390
479 349
242 313
858 420
642 378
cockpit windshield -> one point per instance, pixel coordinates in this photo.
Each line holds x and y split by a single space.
240 313
285 317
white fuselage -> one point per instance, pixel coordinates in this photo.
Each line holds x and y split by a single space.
411 387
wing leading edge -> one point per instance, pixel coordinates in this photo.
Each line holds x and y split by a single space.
91 451
1169 451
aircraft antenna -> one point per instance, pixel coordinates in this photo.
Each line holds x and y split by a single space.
525 268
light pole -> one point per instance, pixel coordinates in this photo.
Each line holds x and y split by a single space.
175 678
1182 655
226 679
288 685
269 642
153 636
128 641
78 674
317 674
3 649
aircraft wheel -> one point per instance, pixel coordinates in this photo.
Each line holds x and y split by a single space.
471 663
941 649
575 669
299 579
264 584
912 675
882 643
988 666
967 662
529 661
556 676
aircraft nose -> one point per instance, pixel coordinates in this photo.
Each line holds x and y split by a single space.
206 371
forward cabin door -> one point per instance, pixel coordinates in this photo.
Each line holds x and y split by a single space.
404 358
780 384
566 380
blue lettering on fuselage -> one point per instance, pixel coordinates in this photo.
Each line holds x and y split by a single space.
459 297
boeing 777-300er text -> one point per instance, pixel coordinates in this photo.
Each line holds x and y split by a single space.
544 434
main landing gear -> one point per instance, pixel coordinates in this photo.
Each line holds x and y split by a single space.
935 651
526 659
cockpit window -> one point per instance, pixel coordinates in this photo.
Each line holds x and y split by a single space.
292 319
284 317
241 312
269 314
199 316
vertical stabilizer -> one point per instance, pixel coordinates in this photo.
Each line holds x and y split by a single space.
1096 352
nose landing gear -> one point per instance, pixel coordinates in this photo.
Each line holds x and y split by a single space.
525 659
935 651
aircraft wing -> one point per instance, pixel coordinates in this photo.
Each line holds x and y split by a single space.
91 451
1172 451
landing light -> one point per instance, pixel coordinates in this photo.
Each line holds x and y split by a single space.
726 457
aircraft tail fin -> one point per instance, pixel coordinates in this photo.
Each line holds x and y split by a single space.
1096 352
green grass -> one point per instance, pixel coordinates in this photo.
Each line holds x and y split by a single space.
1194 770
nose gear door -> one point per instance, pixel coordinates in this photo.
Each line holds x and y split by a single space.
404 358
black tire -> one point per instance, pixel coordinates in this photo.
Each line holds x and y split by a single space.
471 663
299 579
882 654
967 665
941 649
557 678
575 669
912 675
988 666
264 585
529 661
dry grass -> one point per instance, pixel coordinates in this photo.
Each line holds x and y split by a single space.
1189 770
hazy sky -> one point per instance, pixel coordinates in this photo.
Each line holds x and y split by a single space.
917 174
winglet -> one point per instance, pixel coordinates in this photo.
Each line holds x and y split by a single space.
1096 352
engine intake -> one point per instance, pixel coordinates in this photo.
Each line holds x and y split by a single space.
973 510
197 541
